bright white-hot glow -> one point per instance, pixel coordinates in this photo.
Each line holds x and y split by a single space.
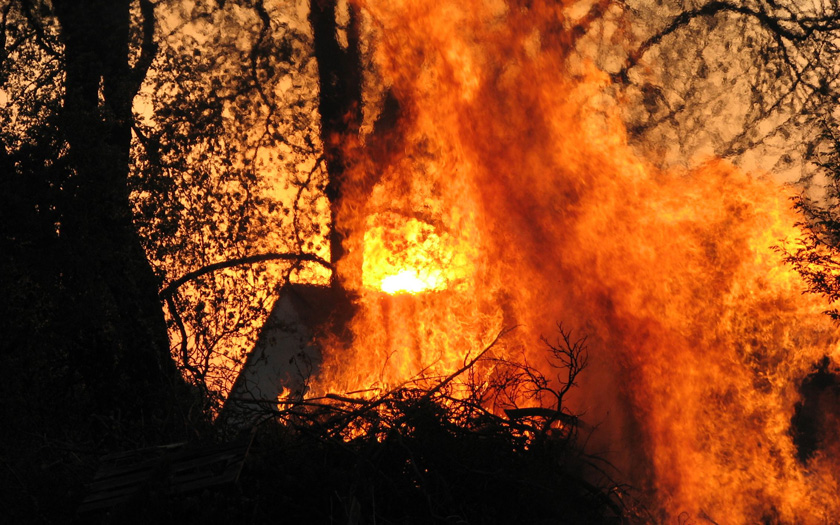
410 256
410 281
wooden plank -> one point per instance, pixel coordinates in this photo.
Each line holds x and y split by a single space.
172 468
183 483
210 468
203 483
110 471
123 478
110 494
115 457
205 461
116 483
103 500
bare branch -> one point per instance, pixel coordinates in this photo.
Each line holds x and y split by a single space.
4 14
772 24
469 364
241 261
547 413
40 35
148 48
179 323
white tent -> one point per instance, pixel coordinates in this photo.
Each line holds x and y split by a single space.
285 356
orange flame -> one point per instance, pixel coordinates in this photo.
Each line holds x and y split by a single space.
515 199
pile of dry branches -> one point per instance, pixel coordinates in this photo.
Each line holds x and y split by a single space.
447 449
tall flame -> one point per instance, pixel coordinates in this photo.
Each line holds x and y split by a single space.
514 198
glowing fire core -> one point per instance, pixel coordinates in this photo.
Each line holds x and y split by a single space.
409 256
410 281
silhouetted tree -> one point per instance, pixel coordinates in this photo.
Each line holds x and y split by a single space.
68 228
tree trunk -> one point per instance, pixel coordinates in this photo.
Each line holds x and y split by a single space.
120 342
340 102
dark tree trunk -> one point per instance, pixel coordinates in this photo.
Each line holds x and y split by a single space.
120 343
340 102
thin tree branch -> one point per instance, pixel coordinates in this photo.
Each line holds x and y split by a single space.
148 48
182 330
296 214
169 289
468 364
40 35
3 20
772 24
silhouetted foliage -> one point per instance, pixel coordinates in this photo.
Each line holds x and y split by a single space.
227 168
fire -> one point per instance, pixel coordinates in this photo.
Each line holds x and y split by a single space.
409 256
409 281
515 198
